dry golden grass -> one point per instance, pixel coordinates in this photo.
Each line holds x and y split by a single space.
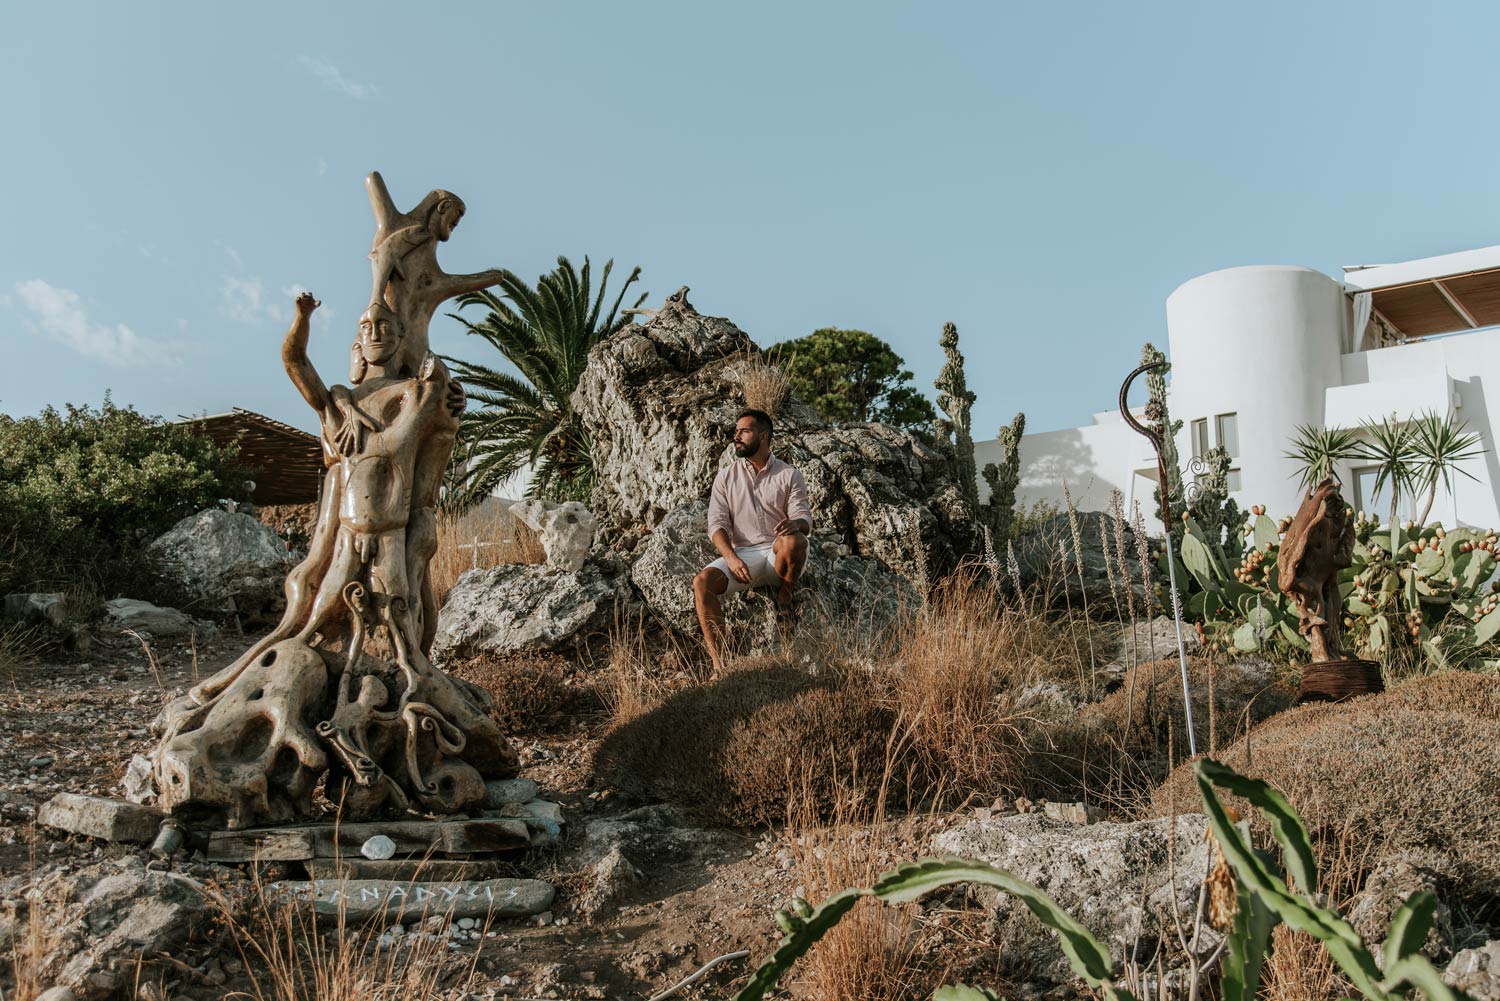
763 383
288 956
874 953
639 675
1299 967
529 692
479 539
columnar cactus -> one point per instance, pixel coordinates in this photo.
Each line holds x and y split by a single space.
955 399
1000 510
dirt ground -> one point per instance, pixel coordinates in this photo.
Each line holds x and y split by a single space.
73 726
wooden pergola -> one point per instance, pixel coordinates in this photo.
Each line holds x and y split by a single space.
286 462
1436 295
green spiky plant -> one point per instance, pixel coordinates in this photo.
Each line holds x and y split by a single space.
1390 446
1267 895
1318 451
1440 443
999 511
528 420
955 400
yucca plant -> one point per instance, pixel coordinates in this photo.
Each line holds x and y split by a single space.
1440 443
1319 450
1390 445
528 420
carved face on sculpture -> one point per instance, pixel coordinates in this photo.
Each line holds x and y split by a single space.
379 335
445 215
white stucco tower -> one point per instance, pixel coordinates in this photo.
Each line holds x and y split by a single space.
1254 351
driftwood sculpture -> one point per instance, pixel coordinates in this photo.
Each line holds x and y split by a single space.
250 744
1318 544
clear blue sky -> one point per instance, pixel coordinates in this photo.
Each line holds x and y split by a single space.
1043 175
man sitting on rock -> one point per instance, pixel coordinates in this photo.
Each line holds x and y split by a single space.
758 519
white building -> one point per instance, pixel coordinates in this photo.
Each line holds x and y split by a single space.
1257 351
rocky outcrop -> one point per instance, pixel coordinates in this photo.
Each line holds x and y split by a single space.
836 590
1476 972
228 563
143 617
566 530
659 402
1114 878
520 607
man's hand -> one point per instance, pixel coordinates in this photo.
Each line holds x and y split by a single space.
306 304
789 527
738 568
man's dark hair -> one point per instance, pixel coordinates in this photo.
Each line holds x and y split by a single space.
761 418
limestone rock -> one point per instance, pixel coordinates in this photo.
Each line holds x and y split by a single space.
1476 971
613 877
97 817
102 918
1045 555
659 402
1389 885
1156 639
504 792
228 562
40 608
566 530
835 589
524 607
1095 872
144 617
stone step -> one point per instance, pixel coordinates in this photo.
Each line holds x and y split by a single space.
97 817
408 870
359 900
301 842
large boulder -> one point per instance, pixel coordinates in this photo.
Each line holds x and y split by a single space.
660 400
524 607
1117 879
566 530
837 590
101 920
228 563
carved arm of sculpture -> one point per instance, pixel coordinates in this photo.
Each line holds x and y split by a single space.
298 367
452 285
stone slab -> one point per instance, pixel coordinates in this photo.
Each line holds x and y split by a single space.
408 870
97 817
412 837
359 900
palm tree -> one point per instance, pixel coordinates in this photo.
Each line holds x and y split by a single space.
1320 450
1440 443
1390 446
546 333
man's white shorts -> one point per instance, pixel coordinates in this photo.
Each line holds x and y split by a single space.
760 560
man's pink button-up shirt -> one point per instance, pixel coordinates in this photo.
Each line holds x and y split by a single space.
749 504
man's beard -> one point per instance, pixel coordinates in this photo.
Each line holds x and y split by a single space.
746 450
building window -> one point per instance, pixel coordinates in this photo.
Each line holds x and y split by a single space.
1200 437
1227 429
1232 481
1366 499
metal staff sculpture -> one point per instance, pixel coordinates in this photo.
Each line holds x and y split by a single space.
1153 433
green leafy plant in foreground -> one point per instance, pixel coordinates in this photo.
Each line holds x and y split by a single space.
1265 898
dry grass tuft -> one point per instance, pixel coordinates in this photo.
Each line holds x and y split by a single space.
1418 783
763 383
640 675
529 692
289 957
481 538
875 953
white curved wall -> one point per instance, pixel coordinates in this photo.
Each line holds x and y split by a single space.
1264 343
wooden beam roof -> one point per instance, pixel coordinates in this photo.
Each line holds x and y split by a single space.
286 463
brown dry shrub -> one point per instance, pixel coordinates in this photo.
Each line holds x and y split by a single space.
293 522
1124 745
728 750
1402 781
528 692
1449 691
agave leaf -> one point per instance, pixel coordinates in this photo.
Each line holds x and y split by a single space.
796 944
1249 942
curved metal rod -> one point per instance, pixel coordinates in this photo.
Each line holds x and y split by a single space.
1154 436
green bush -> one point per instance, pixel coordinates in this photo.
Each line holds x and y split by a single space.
82 492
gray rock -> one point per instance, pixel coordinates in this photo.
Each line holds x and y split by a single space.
659 402
650 834
1097 873
378 848
144 617
1045 556
96 817
613 877
57 994
1476 971
228 562
836 590
102 918
395 900
1389 885
566 530
504 792
139 782
43 608
523 607
1156 639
